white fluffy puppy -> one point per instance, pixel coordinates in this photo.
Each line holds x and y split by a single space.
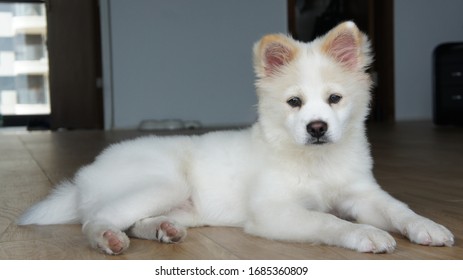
306 159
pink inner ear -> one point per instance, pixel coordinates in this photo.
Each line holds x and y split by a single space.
345 50
276 55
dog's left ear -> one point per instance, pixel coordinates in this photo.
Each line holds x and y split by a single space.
348 46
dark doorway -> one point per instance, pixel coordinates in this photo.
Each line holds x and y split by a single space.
75 64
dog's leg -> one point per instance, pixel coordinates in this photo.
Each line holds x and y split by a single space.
160 228
105 222
292 222
376 207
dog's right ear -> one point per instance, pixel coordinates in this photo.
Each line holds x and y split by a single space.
272 53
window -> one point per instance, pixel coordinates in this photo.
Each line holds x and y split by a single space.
23 60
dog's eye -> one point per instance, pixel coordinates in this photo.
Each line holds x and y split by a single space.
334 99
294 102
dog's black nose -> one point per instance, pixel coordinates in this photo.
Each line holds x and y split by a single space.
317 128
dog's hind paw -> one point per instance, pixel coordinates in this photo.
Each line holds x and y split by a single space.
161 229
113 243
170 233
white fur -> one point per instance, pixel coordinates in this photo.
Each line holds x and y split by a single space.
267 179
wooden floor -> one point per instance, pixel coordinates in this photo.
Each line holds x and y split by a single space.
416 162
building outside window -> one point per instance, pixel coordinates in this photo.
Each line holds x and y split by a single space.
23 60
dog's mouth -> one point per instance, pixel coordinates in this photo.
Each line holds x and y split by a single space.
318 141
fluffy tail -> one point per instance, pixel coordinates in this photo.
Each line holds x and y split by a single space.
60 207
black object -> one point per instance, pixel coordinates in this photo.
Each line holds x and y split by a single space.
332 16
448 84
32 122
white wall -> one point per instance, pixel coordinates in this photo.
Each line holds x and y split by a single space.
183 59
419 27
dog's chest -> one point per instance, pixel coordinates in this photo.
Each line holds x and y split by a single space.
318 185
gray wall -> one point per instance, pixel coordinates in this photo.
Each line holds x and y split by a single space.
183 59
420 26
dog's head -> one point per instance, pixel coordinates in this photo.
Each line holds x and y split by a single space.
313 93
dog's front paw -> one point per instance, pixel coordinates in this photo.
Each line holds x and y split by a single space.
368 239
426 232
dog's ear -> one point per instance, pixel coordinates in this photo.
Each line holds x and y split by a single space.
272 53
348 46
